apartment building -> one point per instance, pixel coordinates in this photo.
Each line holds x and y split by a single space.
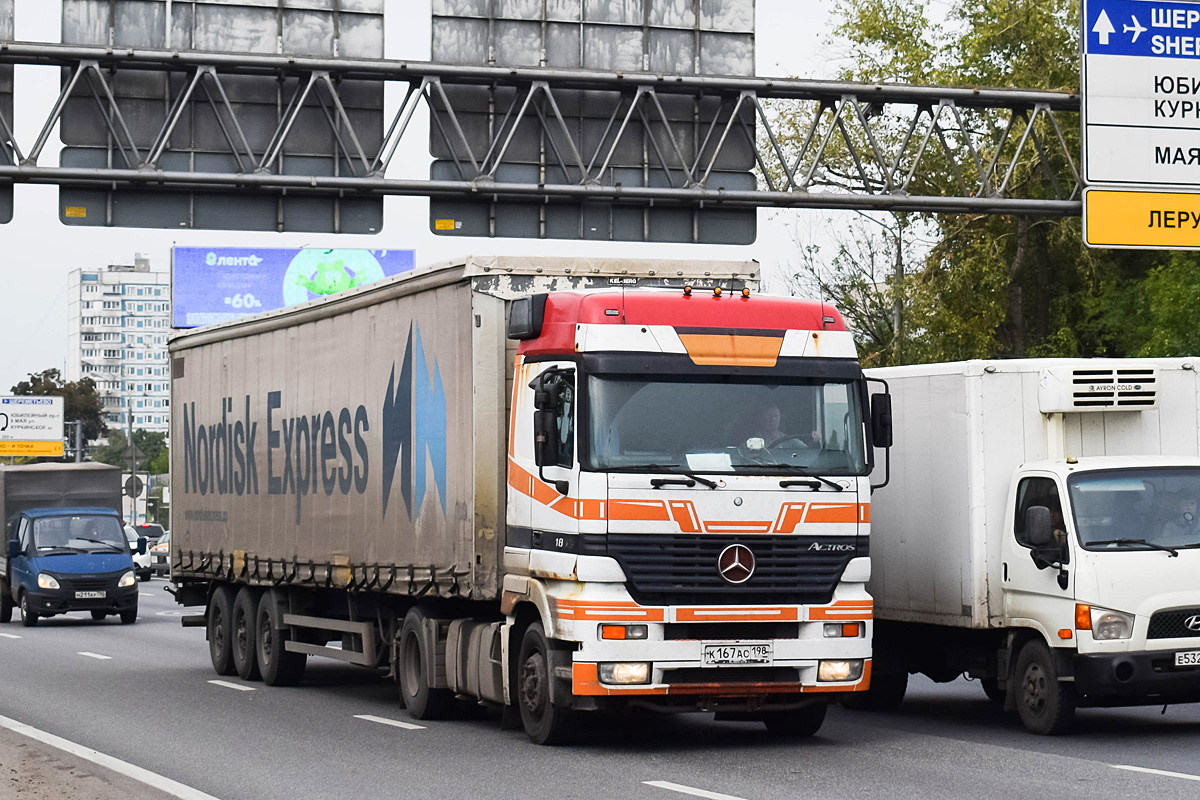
118 319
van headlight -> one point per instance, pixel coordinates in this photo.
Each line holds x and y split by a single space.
46 581
1108 625
128 579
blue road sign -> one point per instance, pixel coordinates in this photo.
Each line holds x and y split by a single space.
1141 28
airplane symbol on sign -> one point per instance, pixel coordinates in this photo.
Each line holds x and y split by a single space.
1136 27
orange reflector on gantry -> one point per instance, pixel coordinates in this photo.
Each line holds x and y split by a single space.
707 349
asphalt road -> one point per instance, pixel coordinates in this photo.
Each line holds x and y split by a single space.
144 694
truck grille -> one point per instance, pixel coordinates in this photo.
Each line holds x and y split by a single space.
732 675
1173 624
731 631
672 569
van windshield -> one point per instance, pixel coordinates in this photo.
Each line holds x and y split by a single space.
78 534
725 424
1132 509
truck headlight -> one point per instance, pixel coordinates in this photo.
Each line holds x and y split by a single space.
128 579
840 670
1111 624
625 672
47 581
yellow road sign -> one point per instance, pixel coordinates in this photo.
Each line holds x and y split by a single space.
1141 219
51 449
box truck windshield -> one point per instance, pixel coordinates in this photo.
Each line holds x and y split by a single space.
725 424
78 534
1131 509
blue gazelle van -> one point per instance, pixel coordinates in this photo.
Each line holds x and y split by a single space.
70 559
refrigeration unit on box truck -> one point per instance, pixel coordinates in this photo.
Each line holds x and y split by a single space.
1039 533
652 492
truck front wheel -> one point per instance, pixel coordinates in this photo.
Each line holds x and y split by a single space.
885 693
245 612
29 617
1045 704
220 630
544 722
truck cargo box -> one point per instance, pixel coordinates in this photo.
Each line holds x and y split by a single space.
961 429
58 486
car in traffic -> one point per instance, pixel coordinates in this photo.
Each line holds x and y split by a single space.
151 530
142 562
160 555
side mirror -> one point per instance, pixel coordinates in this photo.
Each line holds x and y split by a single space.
881 420
14 548
1038 531
545 437
141 545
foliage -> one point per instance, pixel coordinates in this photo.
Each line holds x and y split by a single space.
81 401
152 444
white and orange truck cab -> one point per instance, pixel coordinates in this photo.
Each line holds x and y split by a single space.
552 485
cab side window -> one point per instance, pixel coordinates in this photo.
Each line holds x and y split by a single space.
23 537
1036 492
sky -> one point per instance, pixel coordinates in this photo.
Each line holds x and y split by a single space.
40 251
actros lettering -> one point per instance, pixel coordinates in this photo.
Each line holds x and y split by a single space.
1174 219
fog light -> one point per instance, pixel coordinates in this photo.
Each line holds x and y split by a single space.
622 631
46 581
838 630
840 670
625 672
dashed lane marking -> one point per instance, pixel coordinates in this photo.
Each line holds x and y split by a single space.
1181 775
96 656
10 636
152 779
229 685
395 723
694 792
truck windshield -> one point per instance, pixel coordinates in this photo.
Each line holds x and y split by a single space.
78 534
1136 509
725 424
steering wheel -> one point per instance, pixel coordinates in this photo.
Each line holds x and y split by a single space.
788 438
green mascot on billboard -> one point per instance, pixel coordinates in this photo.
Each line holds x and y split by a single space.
331 278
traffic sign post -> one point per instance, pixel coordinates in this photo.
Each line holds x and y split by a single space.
1141 122
31 426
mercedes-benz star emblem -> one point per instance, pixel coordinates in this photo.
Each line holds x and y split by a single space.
1192 623
736 563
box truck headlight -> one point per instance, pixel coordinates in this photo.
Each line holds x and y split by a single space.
1106 625
625 672
840 670
127 579
46 581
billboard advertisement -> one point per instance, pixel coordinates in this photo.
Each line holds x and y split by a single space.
211 285
31 426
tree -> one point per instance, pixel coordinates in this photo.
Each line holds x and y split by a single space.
152 444
81 401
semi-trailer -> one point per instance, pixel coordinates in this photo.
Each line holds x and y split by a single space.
551 485
1040 534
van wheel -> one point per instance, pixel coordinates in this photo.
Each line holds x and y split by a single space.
422 700
1045 704
796 724
6 604
129 617
279 666
544 722
245 612
220 630
29 617
885 693
98 615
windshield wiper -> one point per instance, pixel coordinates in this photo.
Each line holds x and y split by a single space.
806 474
1152 545
660 482
59 549
106 544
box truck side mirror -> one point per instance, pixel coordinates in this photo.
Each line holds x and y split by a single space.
14 548
1047 551
881 420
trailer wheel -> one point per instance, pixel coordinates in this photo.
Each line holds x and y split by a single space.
885 693
279 666
220 630
422 700
245 610
29 617
6 604
798 723
544 722
1045 704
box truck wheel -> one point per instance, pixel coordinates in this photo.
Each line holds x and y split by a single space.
414 654
1045 704
795 724
279 666
129 617
991 687
245 612
29 617
544 722
6 603
220 630
885 693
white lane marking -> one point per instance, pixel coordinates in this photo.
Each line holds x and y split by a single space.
395 723
10 636
152 779
96 656
229 685
145 594
676 787
1180 775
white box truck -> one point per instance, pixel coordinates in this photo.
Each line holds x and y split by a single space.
593 512
1039 533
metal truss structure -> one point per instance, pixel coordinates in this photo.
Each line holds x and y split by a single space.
816 144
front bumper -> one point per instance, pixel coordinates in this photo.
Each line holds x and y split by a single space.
48 602
1135 679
